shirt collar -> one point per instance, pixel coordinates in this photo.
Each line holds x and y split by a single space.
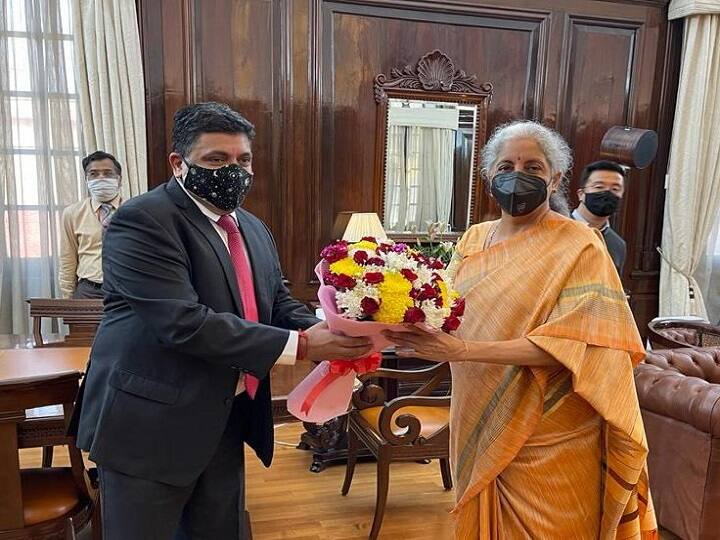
115 203
577 216
212 216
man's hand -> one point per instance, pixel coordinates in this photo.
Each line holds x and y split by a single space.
324 345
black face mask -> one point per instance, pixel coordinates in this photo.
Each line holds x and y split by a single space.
518 193
225 188
602 203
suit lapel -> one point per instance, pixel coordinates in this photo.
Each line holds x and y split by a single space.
201 222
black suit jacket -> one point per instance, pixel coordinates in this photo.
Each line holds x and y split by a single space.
168 353
616 247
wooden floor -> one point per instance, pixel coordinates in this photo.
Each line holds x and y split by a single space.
287 501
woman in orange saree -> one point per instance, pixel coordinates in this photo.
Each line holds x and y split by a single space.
547 441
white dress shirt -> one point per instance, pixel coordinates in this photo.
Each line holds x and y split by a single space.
289 354
577 216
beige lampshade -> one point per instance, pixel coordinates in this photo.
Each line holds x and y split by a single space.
358 225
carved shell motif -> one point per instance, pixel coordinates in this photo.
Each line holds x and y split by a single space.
436 71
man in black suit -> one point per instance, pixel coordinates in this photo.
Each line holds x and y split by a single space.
602 186
196 315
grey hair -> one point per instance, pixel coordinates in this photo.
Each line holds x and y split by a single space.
556 151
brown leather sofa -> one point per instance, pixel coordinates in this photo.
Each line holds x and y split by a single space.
672 334
679 393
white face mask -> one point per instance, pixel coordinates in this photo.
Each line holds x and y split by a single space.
104 189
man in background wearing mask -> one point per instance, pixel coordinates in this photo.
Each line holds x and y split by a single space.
196 315
83 228
602 186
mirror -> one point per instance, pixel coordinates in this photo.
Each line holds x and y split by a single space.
431 125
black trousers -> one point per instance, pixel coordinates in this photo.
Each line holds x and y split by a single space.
211 508
88 289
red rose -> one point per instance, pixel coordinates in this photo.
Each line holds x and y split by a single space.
335 252
341 281
377 261
373 278
435 277
451 324
384 248
360 257
427 292
409 274
458 308
439 301
436 264
414 315
369 239
369 305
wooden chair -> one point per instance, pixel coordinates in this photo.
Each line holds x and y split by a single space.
408 428
674 334
82 317
44 502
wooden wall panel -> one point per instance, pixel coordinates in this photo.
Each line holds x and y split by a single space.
302 71
597 86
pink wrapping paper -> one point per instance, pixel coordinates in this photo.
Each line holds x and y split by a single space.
331 403
325 393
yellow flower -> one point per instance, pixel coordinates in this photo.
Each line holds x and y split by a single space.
395 298
448 295
346 266
363 244
443 292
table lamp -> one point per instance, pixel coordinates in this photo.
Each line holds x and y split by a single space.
353 226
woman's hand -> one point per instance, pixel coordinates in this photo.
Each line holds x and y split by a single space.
426 344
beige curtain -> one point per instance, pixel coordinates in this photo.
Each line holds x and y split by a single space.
692 200
419 178
684 8
112 91
40 150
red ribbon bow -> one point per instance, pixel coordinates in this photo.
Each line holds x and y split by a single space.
340 368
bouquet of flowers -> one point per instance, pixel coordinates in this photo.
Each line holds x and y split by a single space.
367 287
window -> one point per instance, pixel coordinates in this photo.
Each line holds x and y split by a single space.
40 142
708 275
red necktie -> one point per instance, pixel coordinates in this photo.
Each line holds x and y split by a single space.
243 273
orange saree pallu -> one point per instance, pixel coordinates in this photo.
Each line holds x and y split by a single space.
548 453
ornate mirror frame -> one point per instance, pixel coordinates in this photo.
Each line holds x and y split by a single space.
434 78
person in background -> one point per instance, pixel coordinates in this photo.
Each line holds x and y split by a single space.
602 186
83 227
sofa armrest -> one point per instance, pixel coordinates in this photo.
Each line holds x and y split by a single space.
669 393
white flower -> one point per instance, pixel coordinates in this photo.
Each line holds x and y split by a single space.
399 261
434 316
350 302
424 275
